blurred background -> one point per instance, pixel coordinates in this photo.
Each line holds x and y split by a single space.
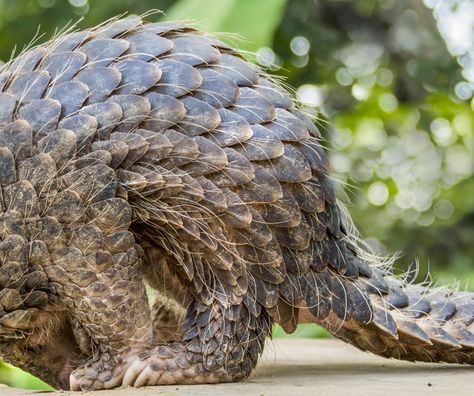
390 83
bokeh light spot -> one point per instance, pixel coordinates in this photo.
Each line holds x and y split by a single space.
443 209
78 3
300 45
463 90
360 92
267 58
388 102
442 132
378 193
384 77
343 76
310 95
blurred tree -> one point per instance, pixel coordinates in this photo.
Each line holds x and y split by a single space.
386 92
21 19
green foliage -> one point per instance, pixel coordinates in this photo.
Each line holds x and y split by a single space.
243 17
384 89
306 330
19 379
21 20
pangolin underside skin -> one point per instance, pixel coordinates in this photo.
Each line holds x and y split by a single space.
138 154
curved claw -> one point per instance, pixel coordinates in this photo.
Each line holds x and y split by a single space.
147 377
79 382
133 371
97 375
155 370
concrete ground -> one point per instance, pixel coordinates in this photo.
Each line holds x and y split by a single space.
323 367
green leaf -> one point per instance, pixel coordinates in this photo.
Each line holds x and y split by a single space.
19 379
255 21
305 330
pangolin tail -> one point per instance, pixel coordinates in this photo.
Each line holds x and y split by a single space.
388 316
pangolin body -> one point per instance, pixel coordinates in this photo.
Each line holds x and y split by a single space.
149 153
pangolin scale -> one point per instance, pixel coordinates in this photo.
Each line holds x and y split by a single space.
138 153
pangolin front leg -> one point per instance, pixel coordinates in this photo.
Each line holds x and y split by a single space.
105 293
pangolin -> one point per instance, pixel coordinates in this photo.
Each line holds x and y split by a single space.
137 156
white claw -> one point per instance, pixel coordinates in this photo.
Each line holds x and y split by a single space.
74 384
147 377
133 372
113 383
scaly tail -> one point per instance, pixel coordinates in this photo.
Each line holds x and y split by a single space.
414 322
385 315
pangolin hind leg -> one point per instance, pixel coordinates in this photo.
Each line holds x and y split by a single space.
214 342
216 348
